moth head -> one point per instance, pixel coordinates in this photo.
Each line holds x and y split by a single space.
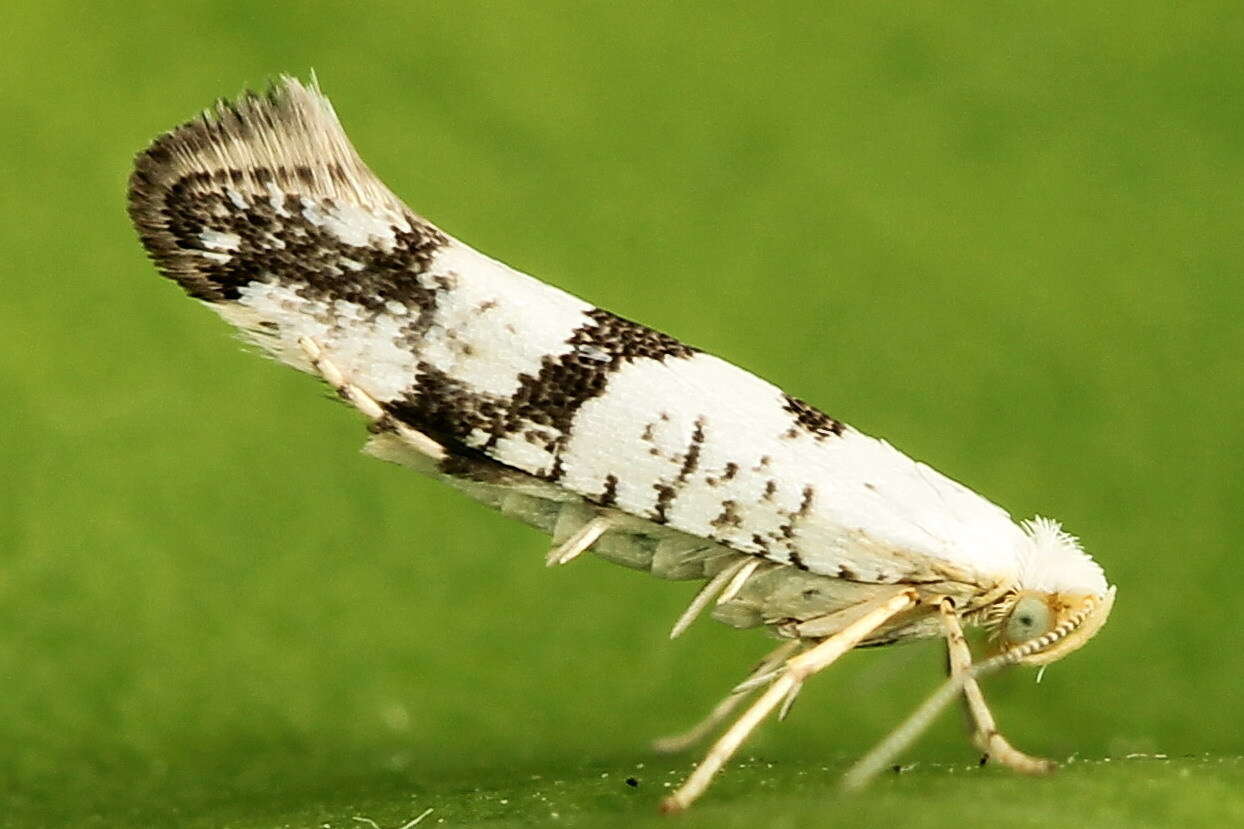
1040 628
1061 599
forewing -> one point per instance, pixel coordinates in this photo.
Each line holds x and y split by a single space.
262 209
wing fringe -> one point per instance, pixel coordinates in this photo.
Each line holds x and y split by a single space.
285 139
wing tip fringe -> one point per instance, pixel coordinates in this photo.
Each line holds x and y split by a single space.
286 109
286 135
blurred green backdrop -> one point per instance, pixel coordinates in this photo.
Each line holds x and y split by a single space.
1006 237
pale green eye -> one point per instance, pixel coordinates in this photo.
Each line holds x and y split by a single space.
1029 619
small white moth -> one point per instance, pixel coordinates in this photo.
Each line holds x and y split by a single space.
608 435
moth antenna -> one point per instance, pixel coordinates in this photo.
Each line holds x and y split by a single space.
899 739
706 595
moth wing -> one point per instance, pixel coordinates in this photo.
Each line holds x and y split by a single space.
262 209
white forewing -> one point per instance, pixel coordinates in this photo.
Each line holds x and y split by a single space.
495 324
847 505
264 210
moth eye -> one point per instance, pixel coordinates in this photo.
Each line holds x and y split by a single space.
1029 619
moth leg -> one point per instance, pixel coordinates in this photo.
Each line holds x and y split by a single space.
738 580
364 402
764 671
579 542
985 734
797 669
707 593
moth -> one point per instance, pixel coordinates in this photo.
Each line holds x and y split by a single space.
606 434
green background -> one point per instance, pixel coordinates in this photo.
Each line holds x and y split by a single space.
1006 237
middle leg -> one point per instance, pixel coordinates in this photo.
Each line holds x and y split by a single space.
985 734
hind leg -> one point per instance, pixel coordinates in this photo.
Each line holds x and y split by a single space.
364 402
764 671
797 669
